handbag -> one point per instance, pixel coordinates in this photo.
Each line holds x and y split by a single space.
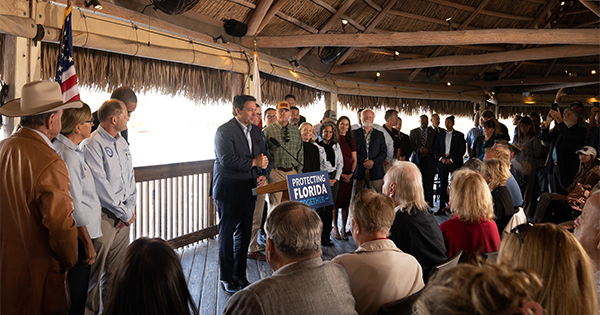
57 299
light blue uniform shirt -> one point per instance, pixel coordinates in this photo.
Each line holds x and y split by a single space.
110 161
87 209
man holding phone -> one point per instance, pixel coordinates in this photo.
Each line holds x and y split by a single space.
565 139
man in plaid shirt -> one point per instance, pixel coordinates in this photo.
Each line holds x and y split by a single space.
289 138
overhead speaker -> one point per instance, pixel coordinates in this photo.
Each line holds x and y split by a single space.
490 76
329 55
235 28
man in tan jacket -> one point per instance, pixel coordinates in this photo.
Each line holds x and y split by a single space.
38 237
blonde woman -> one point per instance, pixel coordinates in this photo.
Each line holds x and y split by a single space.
556 256
481 290
311 152
76 126
415 230
471 228
496 173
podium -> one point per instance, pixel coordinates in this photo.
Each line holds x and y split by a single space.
281 186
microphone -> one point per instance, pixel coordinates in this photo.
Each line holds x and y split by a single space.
278 144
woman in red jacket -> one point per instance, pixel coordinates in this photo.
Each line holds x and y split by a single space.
472 228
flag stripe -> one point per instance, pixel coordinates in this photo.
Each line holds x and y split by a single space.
65 66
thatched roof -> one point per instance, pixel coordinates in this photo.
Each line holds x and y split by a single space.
438 47
105 71
407 106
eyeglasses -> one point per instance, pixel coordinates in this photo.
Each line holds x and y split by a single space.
520 229
286 134
91 121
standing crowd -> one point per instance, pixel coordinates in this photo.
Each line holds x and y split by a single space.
68 196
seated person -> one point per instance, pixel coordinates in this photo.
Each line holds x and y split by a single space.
150 281
495 173
577 193
479 290
379 272
301 283
415 230
472 228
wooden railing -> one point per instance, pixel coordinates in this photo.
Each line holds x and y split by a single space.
174 204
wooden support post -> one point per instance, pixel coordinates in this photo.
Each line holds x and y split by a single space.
21 65
331 101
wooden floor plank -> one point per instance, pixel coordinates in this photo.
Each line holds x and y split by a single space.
197 272
210 281
186 256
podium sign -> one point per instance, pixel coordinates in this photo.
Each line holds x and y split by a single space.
312 189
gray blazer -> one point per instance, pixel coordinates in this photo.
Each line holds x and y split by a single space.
304 287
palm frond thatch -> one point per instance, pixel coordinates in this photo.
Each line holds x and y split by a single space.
105 71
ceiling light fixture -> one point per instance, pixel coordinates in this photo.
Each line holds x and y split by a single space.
344 23
593 71
93 3
377 75
449 21
448 83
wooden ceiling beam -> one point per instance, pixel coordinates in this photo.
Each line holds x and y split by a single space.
424 18
555 87
482 47
371 27
297 22
592 6
258 15
465 24
331 9
328 25
414 85
550 68
373 5
244 3
472 60
270 14
537 81
561 64
484 12
436 38
389 52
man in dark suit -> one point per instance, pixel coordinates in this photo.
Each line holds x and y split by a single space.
369 169
423 140
449 150
239 150
566 137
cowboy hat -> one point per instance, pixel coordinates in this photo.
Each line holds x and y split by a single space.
38 97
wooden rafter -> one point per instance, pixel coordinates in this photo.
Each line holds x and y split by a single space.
257 16
330 23
424 18
297 22
555 87
484 12
270 14
370 28
331 9
592 6
436 38
472 60
465 24
539 17
414 85
536 81
550 68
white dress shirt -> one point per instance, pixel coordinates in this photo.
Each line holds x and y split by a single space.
87 210
109 159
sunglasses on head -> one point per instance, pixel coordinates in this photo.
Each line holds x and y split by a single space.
520 229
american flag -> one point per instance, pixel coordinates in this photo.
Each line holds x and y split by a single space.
65 67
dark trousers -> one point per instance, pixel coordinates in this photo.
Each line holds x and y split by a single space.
326 214
556 181
235 230
79 276
428 170
444 171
